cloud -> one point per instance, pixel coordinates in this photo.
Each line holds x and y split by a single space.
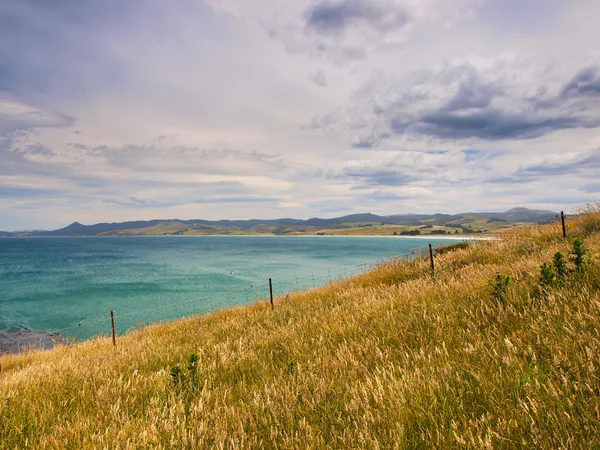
60 47
381 177
563 164
154 178
15 115
591 188
475 99
334 17
132 202
201 109
24 192
347 31
382 194
184 160
585 83
488 124
318 78
407 168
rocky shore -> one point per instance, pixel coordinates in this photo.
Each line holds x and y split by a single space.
18 341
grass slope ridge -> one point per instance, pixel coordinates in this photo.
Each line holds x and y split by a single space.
394 358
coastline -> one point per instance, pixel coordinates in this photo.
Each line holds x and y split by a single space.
13 342
21 338
426 236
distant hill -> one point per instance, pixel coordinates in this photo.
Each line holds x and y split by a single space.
366 223
77 229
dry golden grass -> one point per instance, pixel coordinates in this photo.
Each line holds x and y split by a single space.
394 358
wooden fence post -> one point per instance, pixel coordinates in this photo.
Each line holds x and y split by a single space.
431 260
271 292
112 321
564 228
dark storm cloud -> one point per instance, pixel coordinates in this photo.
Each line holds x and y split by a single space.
491 124
585 83
470 114
333 17
460 103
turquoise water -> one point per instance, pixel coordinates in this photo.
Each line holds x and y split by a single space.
70 284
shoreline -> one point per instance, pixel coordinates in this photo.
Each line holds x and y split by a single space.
426 236
18 340
15 342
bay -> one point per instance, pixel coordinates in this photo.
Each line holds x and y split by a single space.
70 284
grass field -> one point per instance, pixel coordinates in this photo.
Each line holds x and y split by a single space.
485 354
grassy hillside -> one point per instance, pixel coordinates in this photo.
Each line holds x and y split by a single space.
484 354
463 225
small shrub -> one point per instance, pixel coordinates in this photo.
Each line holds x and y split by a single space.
560 265
176 375
499 287
193 363
547 275
579 256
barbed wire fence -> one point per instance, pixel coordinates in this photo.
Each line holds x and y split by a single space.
103 323
136 315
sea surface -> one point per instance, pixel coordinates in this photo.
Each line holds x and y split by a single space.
71 284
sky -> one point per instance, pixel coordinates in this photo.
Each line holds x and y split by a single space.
234 109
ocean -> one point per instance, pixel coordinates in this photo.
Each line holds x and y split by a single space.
69 285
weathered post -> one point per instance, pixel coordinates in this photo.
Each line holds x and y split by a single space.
431 260
112 321
564 228
271 292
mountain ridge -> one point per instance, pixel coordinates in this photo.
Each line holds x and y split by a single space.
447 222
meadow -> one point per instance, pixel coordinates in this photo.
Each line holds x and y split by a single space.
500 348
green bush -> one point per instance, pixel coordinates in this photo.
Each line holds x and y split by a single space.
499 287
560 265
580 256
547 275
